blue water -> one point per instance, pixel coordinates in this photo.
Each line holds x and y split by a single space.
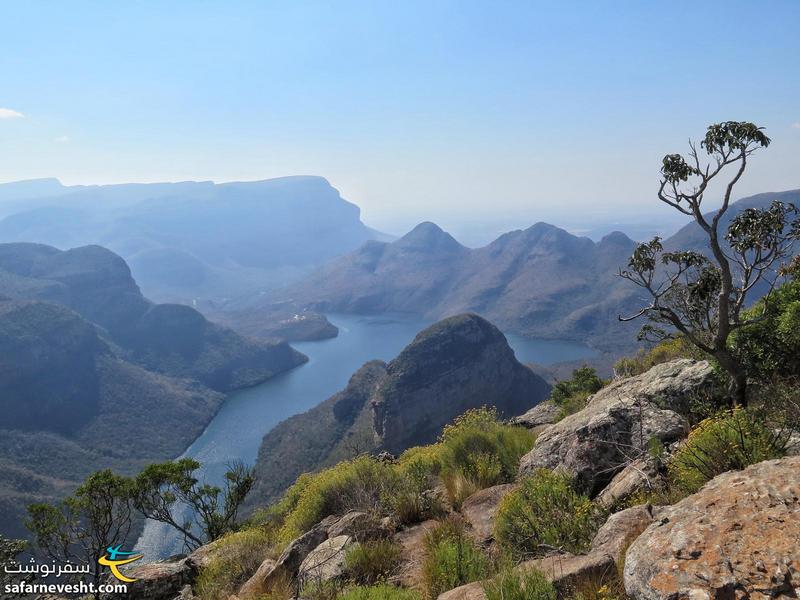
236 431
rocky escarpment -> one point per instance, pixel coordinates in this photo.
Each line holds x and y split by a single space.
169 338
456 364
738 537
452 366
735 538
618 423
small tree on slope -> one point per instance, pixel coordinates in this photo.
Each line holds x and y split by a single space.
703 297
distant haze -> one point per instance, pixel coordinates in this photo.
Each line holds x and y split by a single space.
470 114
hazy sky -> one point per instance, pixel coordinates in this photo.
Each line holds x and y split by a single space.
449 111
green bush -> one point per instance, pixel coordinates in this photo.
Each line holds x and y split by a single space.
373 561
728 441
511 584
479 451
451 559
662 352
571 394
363 483
235 558
379 592
544 513
771 346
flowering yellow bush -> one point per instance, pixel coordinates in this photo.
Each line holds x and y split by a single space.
728 441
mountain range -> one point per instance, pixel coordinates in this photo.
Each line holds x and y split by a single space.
95 375
538 282
192 241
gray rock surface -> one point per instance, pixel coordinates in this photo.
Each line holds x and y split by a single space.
622 528
541 415
163 580
641 475
738 537
618 423
326 561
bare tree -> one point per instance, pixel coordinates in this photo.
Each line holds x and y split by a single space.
702 297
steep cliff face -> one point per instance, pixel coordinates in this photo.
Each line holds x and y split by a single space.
456 364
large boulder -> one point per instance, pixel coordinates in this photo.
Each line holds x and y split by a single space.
480 509
738 537
618 422
360 526
288 564
326 561
162 580
622 528
543 414
640 476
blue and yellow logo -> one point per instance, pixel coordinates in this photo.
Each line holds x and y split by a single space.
111 561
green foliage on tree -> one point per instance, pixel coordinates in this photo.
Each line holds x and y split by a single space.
704 297
770 346
166 491
571 394
82 526
99 514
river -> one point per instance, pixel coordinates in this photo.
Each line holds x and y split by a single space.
236 431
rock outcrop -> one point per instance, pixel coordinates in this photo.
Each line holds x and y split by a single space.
326 561
738 537
541 415
618 423
566 570
480 509
459 363
642 475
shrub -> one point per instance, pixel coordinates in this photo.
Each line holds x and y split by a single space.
771 346
363 483
544 513
373 561
418 468
479 451
379 592
511 584
662 352
571 394
235 558
451 559
729 441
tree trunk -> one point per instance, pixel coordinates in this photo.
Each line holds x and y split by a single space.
737 390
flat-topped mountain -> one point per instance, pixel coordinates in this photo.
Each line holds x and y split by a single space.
192 239
172 339
540 282
454 365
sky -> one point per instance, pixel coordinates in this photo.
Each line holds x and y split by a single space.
477 115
